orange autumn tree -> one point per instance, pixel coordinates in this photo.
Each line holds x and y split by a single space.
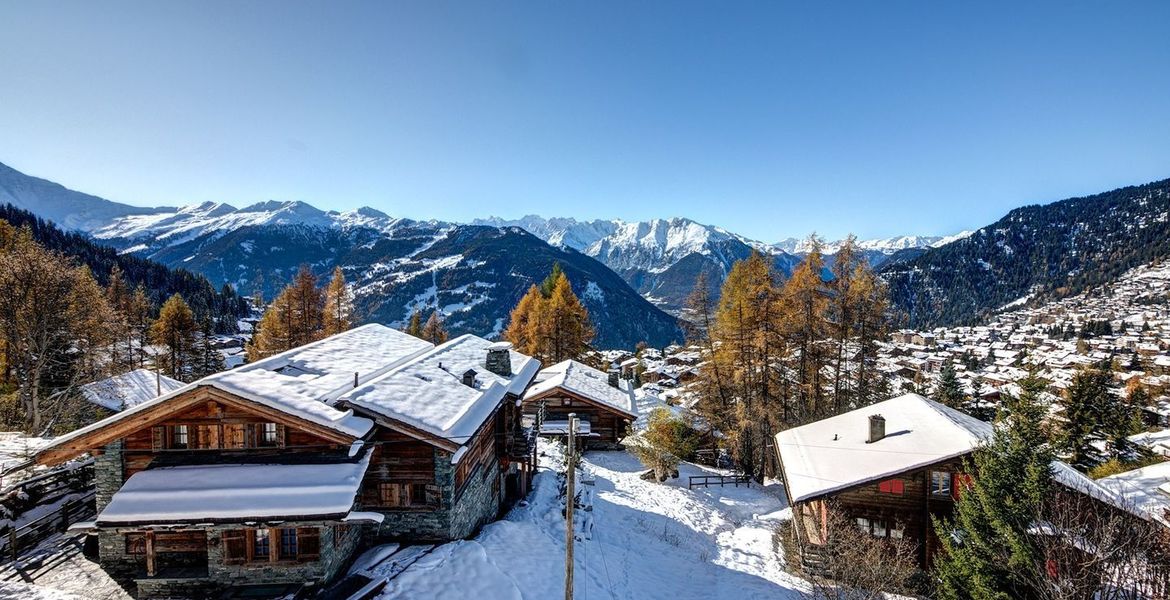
549 322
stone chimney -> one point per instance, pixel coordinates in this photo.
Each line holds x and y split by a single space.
499 359
877 428
613 378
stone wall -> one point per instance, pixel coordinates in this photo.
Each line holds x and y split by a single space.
107 474
335 555
478 504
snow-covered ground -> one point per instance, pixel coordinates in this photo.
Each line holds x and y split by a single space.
56 570
640 540
648 540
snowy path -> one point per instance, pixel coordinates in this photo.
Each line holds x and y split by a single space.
649 540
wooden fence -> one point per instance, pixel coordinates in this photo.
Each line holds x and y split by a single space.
695 481
45 504
27 535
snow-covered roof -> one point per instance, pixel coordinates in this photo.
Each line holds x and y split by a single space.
1145 488
129 389
236 492
832 454
585 381
428 392
302 382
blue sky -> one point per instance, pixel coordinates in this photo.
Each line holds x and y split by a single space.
771 119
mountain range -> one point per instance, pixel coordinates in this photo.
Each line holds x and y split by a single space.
473 274
629 274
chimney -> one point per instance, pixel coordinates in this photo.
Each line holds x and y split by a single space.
469 378
613 379
877 428
499 359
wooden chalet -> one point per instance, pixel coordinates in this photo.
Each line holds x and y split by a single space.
889 467
274 474
602 401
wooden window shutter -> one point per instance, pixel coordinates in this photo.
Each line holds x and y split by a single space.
962 483
308 543
158 438
235 546
280 435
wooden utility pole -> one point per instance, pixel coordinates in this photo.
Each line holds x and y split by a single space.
570 504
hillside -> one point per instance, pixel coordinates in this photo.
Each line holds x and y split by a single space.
63 206
160 281
474 274
1043 252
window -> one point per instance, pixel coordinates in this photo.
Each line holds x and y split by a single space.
288 544
892 486
308 543
940 484
267 435
880 528
235 546
418 494
261 544
179 436
390 494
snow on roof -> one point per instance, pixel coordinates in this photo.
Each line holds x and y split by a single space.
583 380
832 454
428 392
1071 478
193 494
303 381
1143 488
128 389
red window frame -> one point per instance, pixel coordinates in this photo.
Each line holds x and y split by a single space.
892 486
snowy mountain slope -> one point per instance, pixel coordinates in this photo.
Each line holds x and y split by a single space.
886 246
474 275
63 206
1049 251
661 258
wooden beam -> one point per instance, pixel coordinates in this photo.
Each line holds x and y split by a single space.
559 391
118 427
150 566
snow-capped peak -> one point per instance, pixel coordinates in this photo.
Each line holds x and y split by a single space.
883 245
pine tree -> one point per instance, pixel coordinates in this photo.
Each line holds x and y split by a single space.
988 552
294 318
948 390
522 324
568 331
338 305
414 325
550 282
178 333
433 330
209 359
139 317
743 393
551 328
1089 408
805 325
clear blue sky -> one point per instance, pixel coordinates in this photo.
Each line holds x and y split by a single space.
770 119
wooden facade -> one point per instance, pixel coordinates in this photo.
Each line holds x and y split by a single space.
899 507
608 425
